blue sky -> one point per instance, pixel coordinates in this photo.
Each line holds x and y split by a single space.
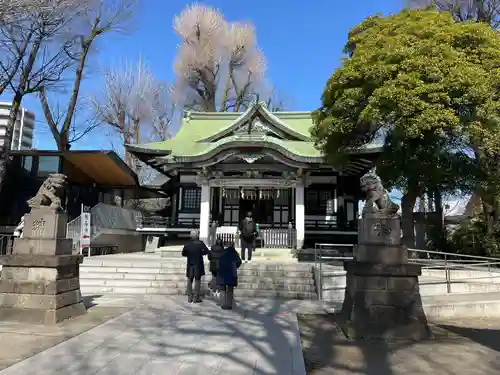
303 43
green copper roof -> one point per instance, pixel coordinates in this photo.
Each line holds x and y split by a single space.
204 134
196 127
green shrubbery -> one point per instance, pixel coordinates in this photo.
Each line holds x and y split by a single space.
471 238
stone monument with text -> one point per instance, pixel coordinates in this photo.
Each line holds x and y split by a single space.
382 298
40 279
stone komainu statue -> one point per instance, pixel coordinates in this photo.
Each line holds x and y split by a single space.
50 193
377 202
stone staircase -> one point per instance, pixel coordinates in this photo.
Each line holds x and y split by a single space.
142 274
431 283
277 254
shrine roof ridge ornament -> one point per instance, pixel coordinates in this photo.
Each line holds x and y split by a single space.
261 108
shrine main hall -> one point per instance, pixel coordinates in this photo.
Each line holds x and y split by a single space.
219 166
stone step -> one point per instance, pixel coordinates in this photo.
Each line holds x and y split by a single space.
181 285
450 306
267 266
473 305
259 252
182 277
337 292
171 254
243 271
150 275
482 274
239 292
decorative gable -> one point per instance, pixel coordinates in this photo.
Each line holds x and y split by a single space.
259 121
256 126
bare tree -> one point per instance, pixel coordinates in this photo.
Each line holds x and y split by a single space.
14 10
135 105
104 16
466 10
30 43
219 66
275 100
163 112
35 27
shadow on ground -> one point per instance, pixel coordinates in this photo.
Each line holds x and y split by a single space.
90 301
165 335
460 348
169 336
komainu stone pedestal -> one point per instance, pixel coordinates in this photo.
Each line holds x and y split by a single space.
40 280
382 298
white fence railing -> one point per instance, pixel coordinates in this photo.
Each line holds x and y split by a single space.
73 229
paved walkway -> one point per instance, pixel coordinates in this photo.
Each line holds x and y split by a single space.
168 336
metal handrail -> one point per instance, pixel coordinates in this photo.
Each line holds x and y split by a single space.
447 262
452 254
6 244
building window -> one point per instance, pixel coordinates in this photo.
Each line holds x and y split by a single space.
317 201
191 198
48 164
27 163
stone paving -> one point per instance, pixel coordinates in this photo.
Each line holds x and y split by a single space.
168 336
26 340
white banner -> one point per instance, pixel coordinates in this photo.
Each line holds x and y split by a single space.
85 228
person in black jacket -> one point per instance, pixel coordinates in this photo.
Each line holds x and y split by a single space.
248 232
194 251
213 256
227 275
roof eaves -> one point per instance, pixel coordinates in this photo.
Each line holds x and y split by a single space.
123 166
146 150
238 141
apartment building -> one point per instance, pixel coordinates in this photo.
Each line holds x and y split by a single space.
22 136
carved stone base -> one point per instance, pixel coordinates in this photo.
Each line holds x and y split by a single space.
383 302
383 254
45 223
38 316
40 280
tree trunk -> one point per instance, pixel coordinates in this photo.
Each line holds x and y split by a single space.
408 223
439 220
128 155
14 110
429 202
64 133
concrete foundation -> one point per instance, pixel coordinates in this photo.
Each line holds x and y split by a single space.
40 280
382 297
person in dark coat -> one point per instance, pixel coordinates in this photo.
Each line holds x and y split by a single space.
248 233
194 251
213 256
227 275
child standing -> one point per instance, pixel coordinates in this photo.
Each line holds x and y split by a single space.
213 256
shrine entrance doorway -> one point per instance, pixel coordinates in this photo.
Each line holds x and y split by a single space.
257 201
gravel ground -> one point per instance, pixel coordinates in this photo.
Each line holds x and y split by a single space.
460 347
